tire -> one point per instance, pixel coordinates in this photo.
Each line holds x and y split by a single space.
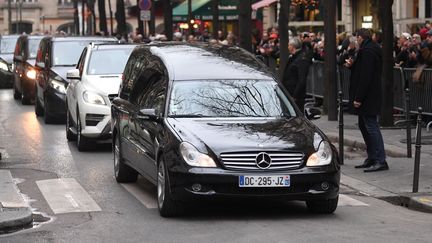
122 172
48 118
25 100
38 109
83 143
168 207
323 206
16 93
69 134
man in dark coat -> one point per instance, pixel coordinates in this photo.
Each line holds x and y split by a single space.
365 98
296 71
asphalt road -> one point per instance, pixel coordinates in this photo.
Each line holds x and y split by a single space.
40 157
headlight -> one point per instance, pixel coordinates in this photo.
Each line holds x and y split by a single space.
4 66
322 157
193 157
59 86
31 74
93 98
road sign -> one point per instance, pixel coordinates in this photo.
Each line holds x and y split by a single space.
145 15
145 4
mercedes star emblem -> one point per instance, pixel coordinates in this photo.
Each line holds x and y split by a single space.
263 160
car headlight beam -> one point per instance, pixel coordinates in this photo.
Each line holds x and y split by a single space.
93 98
193 157
31 74
322 157
59 86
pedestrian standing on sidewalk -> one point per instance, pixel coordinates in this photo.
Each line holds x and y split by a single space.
296 71
365 97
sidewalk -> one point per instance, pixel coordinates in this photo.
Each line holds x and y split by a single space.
14 211
394 185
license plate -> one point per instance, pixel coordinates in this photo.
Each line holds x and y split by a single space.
264 181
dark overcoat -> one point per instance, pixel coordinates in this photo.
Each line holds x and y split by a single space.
365 80
294 78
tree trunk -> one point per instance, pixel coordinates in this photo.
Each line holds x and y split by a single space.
102 17
120 17
245 24
168 19
215 11
76 18
330 102
385 10
283 35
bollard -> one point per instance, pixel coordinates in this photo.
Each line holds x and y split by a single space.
417 151
341 125
408 123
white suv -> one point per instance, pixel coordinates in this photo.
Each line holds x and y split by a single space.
93 85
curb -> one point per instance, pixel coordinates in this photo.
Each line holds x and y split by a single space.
14 210
14 217
391 150
414 201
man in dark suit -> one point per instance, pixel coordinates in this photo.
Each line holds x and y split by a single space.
365 98
296 71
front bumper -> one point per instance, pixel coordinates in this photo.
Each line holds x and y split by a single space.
96 121
306 184
55 103
6 79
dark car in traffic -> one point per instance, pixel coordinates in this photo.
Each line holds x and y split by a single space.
7 47
210 121
24 68
57 55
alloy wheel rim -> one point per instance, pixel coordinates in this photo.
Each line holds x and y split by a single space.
161 185
116 157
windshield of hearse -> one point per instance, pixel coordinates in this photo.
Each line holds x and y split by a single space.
229 98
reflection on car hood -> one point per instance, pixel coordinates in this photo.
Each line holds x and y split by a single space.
7 58
61 71
104 84
294 134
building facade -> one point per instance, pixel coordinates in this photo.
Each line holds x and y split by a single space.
50 16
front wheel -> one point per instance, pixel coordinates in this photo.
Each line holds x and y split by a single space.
83 143
122 172
167 206
16 93
69 124
326 206
39 111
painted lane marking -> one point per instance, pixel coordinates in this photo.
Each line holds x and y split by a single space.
143 191
66 195
345 200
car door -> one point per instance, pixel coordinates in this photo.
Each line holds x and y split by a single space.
42 61
73 87
18 57
150 132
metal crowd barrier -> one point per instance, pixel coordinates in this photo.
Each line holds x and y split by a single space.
420 93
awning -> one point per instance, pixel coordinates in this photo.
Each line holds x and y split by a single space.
262 3
202 9
182 9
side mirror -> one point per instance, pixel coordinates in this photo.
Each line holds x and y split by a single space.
40 65
73 74
312 113
147 114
